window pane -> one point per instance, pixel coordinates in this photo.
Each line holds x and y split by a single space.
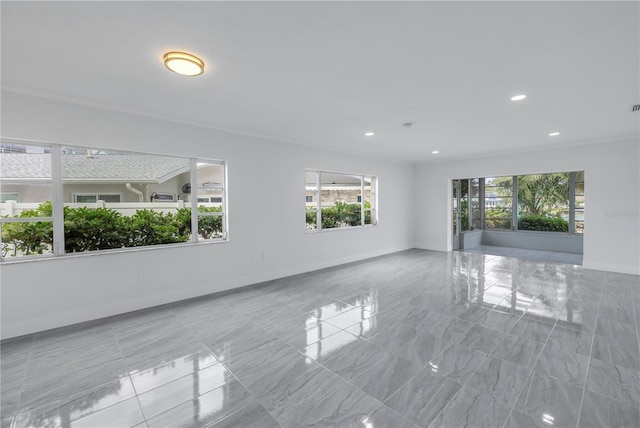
210 224
139 191
27 238
475 203
4 197
498 202
339 198
342 199
369 200
25 186
86 198
579 203
210 186
25 174
311 219
543 202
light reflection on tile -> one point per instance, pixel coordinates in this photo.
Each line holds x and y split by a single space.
79 405
126 413
186 388
145 380
204 409
321 350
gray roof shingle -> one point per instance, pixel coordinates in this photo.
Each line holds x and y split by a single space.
100 167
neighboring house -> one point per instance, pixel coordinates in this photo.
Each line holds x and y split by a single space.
89 177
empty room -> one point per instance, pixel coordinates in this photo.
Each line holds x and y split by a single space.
320 214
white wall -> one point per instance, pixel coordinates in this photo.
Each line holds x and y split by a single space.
266 216
612 230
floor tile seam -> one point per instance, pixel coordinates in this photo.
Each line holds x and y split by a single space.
409 380
24 379
129 376
490 355
453 397
146 419
372 367
390 409
615 400
171 380
618 400
73 397
253 396
532 373
210 424
586 374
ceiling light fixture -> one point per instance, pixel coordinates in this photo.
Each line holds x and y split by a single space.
553 134
435 152
369 134
518 97
184 63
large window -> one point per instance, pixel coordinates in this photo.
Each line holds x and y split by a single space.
337 200
552 202
77 199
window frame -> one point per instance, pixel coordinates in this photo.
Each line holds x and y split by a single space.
317 200
574 178
97 195
57 200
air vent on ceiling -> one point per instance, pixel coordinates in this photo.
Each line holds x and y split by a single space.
636 107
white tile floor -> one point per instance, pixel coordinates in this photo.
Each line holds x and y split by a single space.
416 338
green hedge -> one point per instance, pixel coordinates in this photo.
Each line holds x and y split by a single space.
542 223
87 229
339 215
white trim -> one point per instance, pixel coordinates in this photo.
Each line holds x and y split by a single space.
611 267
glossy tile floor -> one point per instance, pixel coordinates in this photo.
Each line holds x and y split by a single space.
416 338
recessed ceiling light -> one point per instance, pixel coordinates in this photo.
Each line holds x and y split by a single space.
518 97
553 134
184 63
435 152
369 134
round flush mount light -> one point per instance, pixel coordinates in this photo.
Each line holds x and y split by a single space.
184 63
435 152
553 134
369 134
518 97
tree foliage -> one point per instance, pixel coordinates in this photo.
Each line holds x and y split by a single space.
543 193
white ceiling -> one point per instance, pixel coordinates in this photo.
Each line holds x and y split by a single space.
324 73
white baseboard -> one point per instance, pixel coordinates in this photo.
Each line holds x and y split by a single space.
612 267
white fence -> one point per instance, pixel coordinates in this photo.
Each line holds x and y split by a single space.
13 208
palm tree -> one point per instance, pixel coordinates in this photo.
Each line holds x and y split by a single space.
543 193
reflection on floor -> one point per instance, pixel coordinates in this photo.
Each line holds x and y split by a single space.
524 254
416 338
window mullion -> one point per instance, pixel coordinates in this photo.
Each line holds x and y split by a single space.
194 200
481 201
319 201
514 204
572 202
57 200
362 223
